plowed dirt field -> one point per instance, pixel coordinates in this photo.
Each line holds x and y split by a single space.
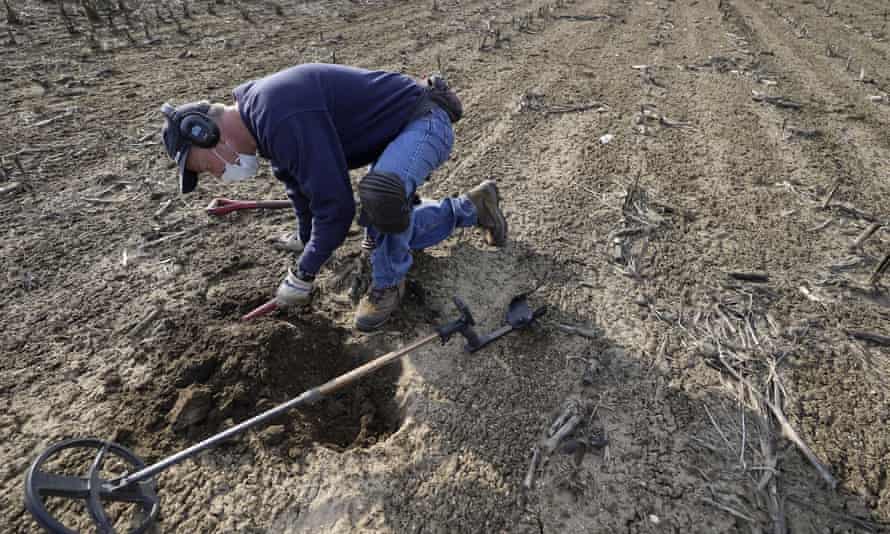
697 190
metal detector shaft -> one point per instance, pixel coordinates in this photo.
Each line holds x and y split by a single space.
308 396
486 339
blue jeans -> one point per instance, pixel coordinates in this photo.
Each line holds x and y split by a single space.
420 148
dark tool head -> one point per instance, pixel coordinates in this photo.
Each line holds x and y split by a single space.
519 314
92 488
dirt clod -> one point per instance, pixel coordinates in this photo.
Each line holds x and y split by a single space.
192 406
273 435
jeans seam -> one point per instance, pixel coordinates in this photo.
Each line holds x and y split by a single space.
413 159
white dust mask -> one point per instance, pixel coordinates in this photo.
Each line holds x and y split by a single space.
247 167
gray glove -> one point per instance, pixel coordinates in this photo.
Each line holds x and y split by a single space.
295 289
291 242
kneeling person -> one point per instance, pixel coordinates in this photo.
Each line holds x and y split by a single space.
313 123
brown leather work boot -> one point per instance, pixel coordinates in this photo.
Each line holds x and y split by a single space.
486 199
377 307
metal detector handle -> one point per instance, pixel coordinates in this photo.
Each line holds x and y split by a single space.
464 310
462 325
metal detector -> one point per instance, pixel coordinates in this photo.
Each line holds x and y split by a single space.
138 487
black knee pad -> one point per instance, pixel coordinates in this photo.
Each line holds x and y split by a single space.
384 204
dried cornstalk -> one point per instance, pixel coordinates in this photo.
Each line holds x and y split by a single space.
778 101
163 209
577 330
529 481
567 428
768 484
869 336
787 430
868 232
171 237
805 133
830 195
136 329
11 187
749 276
880 270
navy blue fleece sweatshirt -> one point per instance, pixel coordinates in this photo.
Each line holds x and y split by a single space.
314 122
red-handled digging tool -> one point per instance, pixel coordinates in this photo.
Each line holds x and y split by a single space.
259 311
221 206
136 485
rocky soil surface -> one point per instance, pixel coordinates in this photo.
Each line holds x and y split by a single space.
696 189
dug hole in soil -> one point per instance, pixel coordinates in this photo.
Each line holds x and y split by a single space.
212 377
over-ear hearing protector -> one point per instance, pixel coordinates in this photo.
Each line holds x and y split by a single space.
194 124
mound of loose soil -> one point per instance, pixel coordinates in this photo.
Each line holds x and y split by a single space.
208 376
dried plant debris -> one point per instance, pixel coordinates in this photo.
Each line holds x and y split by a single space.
882 268
749 276
584 18
719 64
647 121
848 263
10 187
647 75
872 337
628 245
599 107
492 33
574 432
531 101
736 335
794 132
865 234
778 101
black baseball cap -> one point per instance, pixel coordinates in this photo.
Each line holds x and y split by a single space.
177 143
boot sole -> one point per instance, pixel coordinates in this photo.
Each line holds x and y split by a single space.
496 212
